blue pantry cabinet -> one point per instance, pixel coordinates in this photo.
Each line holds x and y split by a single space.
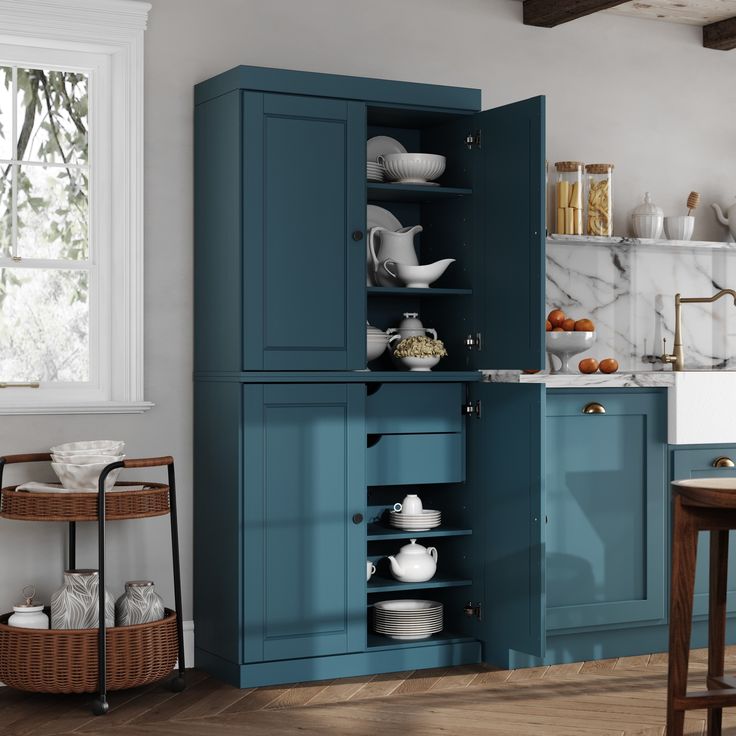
299 452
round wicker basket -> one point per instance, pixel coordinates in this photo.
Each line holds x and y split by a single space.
65 661
23 505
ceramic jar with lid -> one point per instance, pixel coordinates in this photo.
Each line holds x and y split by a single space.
647 219
599 199
410 326
569 198
140 604
29 615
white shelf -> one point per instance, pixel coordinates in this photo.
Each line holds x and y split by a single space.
664 245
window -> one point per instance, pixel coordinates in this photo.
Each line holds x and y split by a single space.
71 207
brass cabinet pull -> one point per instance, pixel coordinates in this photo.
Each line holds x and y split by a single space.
723 462
594 408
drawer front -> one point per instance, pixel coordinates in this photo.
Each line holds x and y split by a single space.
406 459
397 408
701 463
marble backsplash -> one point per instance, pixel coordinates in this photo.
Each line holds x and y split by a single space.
628 291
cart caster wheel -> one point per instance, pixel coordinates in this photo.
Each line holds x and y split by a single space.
177 685
100 707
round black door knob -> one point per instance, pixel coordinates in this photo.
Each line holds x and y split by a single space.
357 518
358 235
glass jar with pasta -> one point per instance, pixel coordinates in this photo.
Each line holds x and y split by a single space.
599 199
568 198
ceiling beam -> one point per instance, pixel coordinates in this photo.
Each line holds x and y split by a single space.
720 35
551 13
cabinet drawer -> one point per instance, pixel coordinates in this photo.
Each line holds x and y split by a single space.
397 408
398 459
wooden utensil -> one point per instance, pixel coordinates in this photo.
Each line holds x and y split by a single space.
692 202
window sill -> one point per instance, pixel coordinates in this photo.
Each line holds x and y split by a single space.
81 407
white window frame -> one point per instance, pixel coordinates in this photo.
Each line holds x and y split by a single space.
104 39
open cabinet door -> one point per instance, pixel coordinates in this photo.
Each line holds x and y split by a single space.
505 468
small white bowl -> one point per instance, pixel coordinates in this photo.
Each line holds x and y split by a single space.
88 447
417 277
84 477
413 168
679 227
86 459
419 364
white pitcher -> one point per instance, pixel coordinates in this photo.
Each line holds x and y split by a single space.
396 246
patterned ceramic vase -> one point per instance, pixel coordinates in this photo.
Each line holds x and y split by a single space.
140 604
76 604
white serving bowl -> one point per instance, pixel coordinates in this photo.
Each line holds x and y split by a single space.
565 345
86 459
419 364
679 227
89 447
418 277
84 477
413 168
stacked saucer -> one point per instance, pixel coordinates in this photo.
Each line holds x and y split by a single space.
407 620
374 171
419 522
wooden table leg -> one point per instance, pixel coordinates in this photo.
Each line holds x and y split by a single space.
684 552
717 619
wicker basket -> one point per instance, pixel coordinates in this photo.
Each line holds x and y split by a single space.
24 505
65 661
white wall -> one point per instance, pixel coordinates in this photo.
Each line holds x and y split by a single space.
643 95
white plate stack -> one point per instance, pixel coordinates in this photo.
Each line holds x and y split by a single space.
421 522
374 171
407 620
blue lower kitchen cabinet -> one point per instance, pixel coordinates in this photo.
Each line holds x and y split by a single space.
708 462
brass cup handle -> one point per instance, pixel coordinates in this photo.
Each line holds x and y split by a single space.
723 462
594 408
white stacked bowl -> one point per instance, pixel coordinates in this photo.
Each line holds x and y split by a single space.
417 168
79 465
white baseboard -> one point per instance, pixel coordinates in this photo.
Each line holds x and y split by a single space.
188 627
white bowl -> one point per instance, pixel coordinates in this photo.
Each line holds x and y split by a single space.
680 227
84 477
419 364
567 344
86 459
417 277
114 447
416 168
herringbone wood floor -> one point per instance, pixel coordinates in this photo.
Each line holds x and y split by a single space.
614 697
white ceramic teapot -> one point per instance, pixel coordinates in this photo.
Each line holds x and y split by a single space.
414 563
729 219
395 246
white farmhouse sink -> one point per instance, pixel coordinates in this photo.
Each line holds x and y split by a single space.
702 408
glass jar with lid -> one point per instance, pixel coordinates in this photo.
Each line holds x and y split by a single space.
599 187
568 183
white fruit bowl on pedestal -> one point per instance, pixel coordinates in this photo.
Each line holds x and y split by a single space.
565 346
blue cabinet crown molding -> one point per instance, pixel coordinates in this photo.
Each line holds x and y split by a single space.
283 81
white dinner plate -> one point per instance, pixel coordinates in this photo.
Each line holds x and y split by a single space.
406 604
382 145
408 615
379 217
413 637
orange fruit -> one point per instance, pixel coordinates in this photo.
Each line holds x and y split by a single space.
588 365
608 365
556 317
584 325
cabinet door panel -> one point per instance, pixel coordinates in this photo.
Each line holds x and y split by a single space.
606 505
304 557
304 274
698 463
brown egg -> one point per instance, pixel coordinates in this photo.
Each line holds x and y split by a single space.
556 317
588 365
568 325
548 326
608 365
584 325
557 329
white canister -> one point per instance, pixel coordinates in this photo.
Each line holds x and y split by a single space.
647 219
29 615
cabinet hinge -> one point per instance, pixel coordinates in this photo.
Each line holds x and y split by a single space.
472 408
472 140
474 342
474 610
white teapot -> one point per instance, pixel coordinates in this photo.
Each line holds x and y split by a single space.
729 219
414 563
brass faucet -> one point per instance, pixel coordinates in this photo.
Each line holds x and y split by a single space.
677 358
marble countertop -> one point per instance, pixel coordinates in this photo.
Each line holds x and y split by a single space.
645 379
